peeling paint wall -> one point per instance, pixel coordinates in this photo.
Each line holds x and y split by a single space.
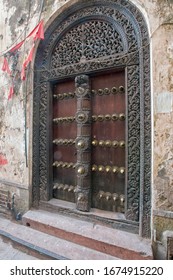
18 18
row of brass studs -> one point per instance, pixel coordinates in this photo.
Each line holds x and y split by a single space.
101 143
111 196
106 91
65 119
68 188
107 169
64 95
108 117
64 142
64 164
108 143
99 168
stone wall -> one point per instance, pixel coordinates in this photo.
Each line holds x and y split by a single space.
17 19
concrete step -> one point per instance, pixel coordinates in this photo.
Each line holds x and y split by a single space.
93 235
45 245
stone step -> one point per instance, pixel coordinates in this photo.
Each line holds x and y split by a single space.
48 246
93 235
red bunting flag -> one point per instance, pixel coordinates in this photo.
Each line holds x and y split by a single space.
26 62
5 66
15 48
38 31
11 92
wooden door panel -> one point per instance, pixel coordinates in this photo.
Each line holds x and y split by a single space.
108 127
64 135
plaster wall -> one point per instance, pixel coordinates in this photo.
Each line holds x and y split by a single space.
17 19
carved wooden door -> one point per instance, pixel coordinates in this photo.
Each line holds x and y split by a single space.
89 141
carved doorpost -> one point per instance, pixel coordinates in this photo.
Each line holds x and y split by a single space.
83 143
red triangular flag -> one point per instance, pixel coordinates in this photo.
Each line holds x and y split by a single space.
5 66
26 62
11 93
15 48
38 31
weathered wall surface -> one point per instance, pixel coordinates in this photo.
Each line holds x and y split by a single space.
17 19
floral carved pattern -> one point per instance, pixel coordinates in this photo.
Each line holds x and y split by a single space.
90 40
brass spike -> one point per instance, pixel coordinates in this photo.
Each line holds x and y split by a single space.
115 144
115 196
122 199
94 167
114 90
100 91
122 170
81 144
114 169
64 141
60 186
107 117
65 187
81 170
70 189
69 141
94 118
64 165
121 89
106 91
94 142
108 195
108 168
122 144
100 168
65 95
93 91
108 143
101 194
100 118
60 96
122 117
114 117
80 197
101 143
55 187
70 94
60 120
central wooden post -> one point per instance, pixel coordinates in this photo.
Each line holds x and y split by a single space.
83 143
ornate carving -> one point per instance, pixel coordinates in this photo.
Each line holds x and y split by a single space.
133 146
125 23
89 40
83 165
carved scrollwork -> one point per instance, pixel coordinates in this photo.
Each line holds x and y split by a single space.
90 40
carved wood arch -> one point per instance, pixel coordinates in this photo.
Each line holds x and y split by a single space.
87 37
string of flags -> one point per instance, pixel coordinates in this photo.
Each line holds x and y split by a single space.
36 33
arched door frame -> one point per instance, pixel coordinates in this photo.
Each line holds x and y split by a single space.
135 59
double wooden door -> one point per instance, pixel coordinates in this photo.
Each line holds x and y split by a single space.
100 112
